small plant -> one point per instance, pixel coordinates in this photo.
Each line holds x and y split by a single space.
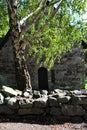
86 83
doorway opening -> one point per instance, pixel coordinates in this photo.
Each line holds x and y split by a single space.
43 78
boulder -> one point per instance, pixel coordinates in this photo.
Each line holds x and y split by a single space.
6 110
54 111
72 110
9 91
60 92
77 92
19 93
79 99
52 101
13 103
44 93
1 99
40 102
25 103
36 94
64 99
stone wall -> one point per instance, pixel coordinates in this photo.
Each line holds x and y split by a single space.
57 103
69 73
7 70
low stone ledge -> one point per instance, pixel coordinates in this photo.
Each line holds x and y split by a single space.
56 103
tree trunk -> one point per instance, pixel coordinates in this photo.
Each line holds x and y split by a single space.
22 74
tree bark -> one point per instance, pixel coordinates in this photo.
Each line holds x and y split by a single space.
22 74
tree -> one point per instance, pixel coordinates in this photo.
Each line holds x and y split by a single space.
38 21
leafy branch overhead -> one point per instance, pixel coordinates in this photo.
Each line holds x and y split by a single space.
48 27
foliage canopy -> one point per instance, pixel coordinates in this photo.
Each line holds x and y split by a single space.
51 34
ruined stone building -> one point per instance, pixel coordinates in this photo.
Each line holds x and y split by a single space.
69 73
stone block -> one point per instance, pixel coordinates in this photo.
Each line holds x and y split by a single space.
6 110
8 91
73 110
19 93
36 94
40 102
44 93
55 111
25 103
12 103
79 99
1 99
52 101
64 99
31 111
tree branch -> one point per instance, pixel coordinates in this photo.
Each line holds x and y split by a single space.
25 43
22 21
36 15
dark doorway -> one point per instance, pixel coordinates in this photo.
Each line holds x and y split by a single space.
43 78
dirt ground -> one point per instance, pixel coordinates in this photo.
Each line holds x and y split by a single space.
29 123
28 126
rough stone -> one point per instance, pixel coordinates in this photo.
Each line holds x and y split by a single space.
52 101
55 111
84 92
85 107
26 94
6 110
73 110
79 99
44 93
13 103
19 93
60 92
8 91
24 111
77 119
25 103
77 92
36 94
31 111
40 102
1 99
64 99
